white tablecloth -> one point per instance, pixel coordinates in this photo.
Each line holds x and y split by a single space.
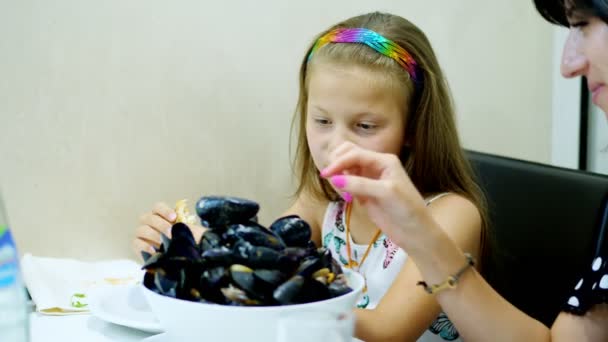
79 328
82 328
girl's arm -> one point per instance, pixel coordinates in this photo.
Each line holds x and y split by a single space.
481 314
478 312
435 243
407 311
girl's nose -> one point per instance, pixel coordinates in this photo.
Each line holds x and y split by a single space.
574 63
340 136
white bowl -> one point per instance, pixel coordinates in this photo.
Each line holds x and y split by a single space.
190 321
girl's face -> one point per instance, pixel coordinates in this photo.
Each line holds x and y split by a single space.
350 103
586 54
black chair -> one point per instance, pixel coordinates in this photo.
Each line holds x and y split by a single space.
544 223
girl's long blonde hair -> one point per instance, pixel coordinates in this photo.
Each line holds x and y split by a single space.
433 158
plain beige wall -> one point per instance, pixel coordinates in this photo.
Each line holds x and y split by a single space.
109 106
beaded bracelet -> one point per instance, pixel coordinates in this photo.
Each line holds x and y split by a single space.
451 281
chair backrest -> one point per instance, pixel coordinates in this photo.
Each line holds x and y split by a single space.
544 222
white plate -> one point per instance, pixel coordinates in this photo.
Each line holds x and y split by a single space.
157 338
124 305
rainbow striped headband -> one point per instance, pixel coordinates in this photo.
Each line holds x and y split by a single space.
374 40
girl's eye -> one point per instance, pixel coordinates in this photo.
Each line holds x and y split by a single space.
366 126
322 121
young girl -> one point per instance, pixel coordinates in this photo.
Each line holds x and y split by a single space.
374 82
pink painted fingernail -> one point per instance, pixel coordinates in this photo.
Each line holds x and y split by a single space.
347 197
172 217
339 181
323 173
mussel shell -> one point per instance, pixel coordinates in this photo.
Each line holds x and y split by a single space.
164 285
308 266
259 284
149 280
288 292
211 282
336 267
221 256
165 241
259 256
238 297
243 277
217 212
153 261
209 240
327 260
293 230
182 243
181 231
215 277
269 278
145 255
297 254
339 286
312 291
255 234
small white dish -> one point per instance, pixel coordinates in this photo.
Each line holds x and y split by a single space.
124 305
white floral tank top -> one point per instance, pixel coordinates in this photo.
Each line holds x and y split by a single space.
383 263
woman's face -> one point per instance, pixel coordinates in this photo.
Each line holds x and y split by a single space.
586 54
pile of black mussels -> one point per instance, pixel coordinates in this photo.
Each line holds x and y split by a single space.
240 262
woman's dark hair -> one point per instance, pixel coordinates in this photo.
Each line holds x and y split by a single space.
556 11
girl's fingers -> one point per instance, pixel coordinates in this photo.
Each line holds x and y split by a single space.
358 186
154 221
164 211
342 149
356 159
148 234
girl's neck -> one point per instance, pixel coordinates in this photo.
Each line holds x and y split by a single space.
361 228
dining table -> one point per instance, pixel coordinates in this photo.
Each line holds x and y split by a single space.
82 327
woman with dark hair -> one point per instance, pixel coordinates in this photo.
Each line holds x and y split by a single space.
479 313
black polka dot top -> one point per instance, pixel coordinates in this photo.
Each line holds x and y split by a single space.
592 288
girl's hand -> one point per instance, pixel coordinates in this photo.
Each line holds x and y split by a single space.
153 224
379 182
